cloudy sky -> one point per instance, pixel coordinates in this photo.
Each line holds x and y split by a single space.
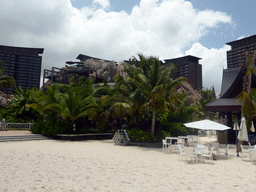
119 29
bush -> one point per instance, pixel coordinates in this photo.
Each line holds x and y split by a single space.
139 136
51 126
162 135
176 129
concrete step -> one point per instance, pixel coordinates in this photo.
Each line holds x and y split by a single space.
23 138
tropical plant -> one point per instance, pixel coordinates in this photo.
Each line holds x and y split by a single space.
22 100
155 83
5 80
207 96
181 110
248 94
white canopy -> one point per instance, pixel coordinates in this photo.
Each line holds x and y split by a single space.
207 125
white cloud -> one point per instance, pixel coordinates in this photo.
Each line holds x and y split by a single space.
213 62
164 28
103 3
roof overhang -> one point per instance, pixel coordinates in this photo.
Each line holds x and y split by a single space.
224 104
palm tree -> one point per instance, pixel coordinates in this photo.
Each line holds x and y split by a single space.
23 99
248 105
155 83
207 96
5 80
181 110
131 99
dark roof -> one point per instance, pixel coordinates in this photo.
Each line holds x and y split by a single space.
240 40
82 57
229 81
224 104
25 50
189 57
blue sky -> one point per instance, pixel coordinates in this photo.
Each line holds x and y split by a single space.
119 29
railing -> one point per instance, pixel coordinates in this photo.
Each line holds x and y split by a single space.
18 125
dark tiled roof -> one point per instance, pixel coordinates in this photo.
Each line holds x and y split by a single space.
224 102
229 77
82 57
239 40
189 57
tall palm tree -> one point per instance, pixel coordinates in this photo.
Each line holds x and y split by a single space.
131 99
248 105
5 80
155 82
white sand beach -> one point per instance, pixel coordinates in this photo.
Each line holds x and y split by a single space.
49 165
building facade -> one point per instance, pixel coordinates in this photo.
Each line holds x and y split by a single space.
236 56
188 67
23 64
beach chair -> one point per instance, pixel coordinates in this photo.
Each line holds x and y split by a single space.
245 152
189 153
253 155
223 150
180 141
216 147
164 144
210 156
181 151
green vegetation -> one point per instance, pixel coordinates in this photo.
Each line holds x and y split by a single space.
146 100
5 80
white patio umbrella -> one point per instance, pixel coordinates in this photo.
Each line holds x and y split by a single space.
236 127
207 125
243 134
252 128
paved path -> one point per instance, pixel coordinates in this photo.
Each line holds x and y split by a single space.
6 136
15 133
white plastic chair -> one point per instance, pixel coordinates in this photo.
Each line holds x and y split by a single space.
164 144
181 151
223 150
189 153
253 155
200 150
245 152
209 155
180 141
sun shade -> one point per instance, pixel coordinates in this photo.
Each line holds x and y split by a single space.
207 125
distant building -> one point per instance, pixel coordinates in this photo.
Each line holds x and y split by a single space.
236 56
23 64
189 67
232 83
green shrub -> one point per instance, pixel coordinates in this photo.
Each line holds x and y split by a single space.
162 135
176 129
139 136
51 126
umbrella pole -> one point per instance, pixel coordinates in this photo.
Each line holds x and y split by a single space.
236 124
226 122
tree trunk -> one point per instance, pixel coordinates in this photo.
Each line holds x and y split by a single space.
153 121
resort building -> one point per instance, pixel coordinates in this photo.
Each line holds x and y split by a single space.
232 82
188 67
236 56
23 64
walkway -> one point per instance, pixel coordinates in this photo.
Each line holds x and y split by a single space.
6 136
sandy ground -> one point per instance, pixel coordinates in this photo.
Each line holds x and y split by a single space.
49 165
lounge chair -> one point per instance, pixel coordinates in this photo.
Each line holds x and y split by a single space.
253 155
181 151
209 155
245 152
189 153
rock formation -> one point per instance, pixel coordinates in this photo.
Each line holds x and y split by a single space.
5 99
193 95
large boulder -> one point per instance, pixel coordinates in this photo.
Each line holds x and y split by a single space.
193 95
